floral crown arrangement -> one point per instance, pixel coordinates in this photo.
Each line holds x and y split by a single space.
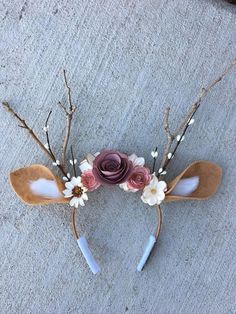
37 185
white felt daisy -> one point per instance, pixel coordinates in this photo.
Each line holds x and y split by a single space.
76 191
154 192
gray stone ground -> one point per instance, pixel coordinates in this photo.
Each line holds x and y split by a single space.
126 60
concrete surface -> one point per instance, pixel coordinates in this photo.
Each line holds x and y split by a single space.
126 60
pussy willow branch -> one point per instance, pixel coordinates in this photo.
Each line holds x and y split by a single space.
69 115
73 161
181 130
24 125
60 167
154 161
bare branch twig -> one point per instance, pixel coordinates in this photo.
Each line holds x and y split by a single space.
68 90
181 130
24 125
69 115
169 135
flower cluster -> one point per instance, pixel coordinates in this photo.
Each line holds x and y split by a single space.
114 168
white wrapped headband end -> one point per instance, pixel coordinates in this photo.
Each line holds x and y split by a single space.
83 245
146 253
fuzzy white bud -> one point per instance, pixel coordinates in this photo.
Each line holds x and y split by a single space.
169 155
154 154
191 121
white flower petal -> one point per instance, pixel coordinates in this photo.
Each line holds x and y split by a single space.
85 196
169 155
90 158
77 203
69 185
160 170
154 181
161 185
143 199
137 161
81 201
76 181
178 138
152 201
74 202
67 193
161 195
124 186
85 165
65 178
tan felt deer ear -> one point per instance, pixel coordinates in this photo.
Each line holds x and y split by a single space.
198 181
37 185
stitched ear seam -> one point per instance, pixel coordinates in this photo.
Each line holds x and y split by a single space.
21 180
209 175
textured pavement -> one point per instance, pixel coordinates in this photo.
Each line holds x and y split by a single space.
126 60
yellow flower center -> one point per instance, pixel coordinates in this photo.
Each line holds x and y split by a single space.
153 191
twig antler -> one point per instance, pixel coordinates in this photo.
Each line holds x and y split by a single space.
179 134
47 148
24 125
69 115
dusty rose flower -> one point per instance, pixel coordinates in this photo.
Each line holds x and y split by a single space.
89 181
112 167
139 178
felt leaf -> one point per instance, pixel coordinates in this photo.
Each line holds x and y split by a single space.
37 185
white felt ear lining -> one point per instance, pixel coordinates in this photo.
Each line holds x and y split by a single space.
185 186
146 252
45 188
83 245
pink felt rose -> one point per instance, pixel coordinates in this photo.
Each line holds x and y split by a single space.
89 181
139 178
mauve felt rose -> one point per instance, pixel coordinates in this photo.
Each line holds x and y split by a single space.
139 178
112 167
89 181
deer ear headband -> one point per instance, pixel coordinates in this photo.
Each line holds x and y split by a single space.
37 185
